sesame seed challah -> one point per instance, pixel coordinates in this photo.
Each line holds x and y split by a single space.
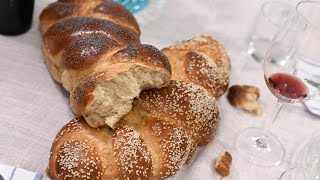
152 141
92 48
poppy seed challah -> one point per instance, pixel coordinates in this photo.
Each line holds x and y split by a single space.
93 49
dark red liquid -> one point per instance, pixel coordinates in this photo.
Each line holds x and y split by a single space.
288 86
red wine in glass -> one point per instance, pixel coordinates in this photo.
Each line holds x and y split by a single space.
287 87
259 145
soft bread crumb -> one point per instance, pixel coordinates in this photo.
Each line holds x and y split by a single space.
223 164
245 97
113 98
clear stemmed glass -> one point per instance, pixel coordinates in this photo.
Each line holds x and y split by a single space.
312 157
291 72
294 174
310 167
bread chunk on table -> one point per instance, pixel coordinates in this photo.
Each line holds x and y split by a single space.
245 97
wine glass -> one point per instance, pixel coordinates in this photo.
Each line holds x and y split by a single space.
310 169
312 157
297 40
295 174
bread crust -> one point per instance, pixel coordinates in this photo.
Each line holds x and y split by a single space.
144 144
223 164
61 34
245 97
131 59
93 46
101 9
202 61
185 102
93 49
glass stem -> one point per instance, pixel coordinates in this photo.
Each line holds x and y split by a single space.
276 110
262 141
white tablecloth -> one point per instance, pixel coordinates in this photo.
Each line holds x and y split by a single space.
33 107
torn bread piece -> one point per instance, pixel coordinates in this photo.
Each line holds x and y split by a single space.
245 97
223 164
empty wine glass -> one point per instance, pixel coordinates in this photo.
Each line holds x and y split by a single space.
312 157
310 169
297 40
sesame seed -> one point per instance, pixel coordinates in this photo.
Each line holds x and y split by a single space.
75 159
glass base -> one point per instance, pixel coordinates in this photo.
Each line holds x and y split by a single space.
259 147
294 174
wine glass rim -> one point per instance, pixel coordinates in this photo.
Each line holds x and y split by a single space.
278 4
303 16
290 170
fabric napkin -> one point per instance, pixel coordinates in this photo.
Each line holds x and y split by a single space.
313 105
308 69
15 173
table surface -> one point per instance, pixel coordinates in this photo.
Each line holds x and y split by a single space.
33 107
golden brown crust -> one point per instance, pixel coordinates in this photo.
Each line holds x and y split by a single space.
99 59
118 14
75 157
81 53
57 11
169 144
107 10
63 33
144 144
74 48
186 103
81 98
131 153
81 39
143 54
53 69
245 97
202 61
81 153
90 55
173 142
223 164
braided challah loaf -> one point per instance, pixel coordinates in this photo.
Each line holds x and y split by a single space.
152 141
93 49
